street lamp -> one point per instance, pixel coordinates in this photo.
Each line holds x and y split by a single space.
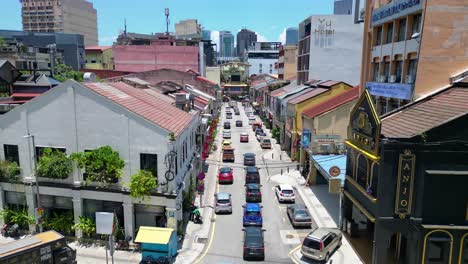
38 197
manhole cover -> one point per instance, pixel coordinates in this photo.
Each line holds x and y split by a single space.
202 240
289 236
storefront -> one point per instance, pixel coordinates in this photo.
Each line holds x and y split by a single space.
406 176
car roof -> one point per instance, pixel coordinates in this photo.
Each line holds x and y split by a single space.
252 207
253 229
249 154
320 233
253 185
238 120
223 195
286 187
251 169
244 134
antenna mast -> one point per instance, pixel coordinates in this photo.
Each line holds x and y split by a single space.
166 13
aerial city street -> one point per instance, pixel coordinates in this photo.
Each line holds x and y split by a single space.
180 132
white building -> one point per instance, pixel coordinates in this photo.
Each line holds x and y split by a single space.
263 58
330 48
77 117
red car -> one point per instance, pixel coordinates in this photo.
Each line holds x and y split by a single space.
244 137
225 175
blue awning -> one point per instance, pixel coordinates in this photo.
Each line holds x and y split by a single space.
323 163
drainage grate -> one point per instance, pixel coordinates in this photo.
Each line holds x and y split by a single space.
289 236
202 240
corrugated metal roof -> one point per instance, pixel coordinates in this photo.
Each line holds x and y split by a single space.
144 104
328 83
429 113
332 103
314 92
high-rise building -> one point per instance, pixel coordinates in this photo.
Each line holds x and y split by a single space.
245 38
206 34
188 29
343 7
292 36
263 58
64 16
226 44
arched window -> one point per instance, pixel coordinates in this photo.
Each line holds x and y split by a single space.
362 168
373 180
437 247
464 249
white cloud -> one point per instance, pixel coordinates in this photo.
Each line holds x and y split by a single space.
107 41
282 36
261 38
215 38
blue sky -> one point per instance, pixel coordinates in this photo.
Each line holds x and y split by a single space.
268 18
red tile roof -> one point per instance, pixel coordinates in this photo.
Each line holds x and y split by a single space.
100 48
307 95
145 105
332 103
422 116
25 94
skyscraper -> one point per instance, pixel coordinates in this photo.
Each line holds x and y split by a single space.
226 44
343 7
245 38
65 16
292 36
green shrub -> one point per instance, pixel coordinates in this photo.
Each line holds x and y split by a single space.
102 164
86 225
10 170
54 164
142 183
21 217
62 223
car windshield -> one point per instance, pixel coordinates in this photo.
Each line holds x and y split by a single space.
252 213
254 190
302 213
225 170
223 201
244 134
311 243
287 191
254 240
266 141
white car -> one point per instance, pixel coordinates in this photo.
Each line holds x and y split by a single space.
285 193
227 134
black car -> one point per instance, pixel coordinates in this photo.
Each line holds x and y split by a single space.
239 123
249 159
252 175
259 131
253 193
254 246
227 125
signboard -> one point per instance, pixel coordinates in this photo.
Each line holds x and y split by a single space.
395 8
364 130
104 223
326 138
334 185
334 171
405 180
392 90
39 215
305 138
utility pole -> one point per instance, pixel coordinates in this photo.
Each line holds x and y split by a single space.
166 13
38 196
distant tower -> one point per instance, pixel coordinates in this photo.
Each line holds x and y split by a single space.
166 13
125 27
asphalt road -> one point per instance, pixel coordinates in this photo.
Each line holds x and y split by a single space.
280 237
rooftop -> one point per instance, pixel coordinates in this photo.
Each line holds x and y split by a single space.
314 92
332 103
98 48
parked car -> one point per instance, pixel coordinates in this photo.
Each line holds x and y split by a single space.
253 193
254 245
259 130
223 203
252 214
228 115
252 175
227 125
239 123
236 112
299 215
265 143
321 243
244 137
227 134
285 193
261 136
249 159
225 175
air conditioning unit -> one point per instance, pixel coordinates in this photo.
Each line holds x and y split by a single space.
392 79
383 78
410 79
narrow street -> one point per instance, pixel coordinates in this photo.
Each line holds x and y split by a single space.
280 236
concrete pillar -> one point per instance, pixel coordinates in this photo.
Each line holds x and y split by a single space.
312 174
31 202
171 214
380 244
2 203
129 219
77 211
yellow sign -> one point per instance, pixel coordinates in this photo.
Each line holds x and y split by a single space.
405 180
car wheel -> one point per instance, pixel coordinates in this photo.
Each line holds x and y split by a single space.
327 258
339 244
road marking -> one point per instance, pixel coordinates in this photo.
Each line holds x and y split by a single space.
290 253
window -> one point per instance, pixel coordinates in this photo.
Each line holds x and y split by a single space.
398 70
149 162
361 172
40 151
416 24
271 66
464 246
260 71
378 37
271 71
11 153
386 71
375 71
412 65
260 65
93 61
402 30
438 245
389 38
372 190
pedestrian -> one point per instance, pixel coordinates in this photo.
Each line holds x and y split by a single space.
196 214
192 208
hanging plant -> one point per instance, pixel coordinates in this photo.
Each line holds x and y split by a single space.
86 225
54 164
172 136
10 170
102 165
141 184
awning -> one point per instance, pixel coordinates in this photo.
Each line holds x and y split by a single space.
154 235
25 94
323 163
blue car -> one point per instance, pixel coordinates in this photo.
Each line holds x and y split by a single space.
252 215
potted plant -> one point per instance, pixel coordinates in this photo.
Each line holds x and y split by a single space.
54 164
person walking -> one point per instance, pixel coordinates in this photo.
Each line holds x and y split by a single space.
196 215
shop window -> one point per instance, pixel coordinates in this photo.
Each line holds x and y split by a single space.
11 153
374 180
438 247
386 72
362 171
375 71
402 30
149 162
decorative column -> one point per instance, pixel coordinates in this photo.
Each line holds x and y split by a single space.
129 219
31 203
77 211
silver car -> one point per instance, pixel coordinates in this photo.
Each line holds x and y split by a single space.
223 203
321 243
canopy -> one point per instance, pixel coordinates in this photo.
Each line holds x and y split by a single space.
154 235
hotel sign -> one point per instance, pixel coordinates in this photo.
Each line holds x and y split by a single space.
392 10
405 184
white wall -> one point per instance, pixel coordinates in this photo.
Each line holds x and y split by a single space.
336 56
255 66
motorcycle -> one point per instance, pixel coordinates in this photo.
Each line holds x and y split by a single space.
123 244
10 231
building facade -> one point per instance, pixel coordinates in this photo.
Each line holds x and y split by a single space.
206 34
263 58
188 29
343 7
226 44
65 119
292 36
245 38
329 48
100 58
64 16
402 46
287 62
